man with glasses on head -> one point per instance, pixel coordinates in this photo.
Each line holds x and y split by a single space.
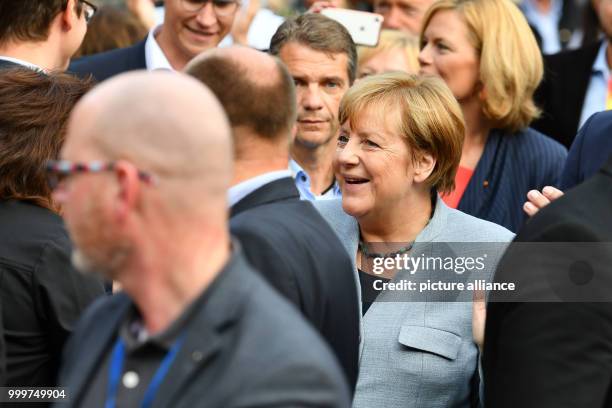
190 27
42 34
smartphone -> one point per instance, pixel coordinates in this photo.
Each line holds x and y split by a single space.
364 27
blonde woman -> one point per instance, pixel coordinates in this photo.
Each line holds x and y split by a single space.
487 55
396 51
399 144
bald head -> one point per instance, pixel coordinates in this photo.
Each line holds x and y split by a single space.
164 123
255 89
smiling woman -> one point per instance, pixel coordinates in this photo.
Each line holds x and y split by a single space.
400 143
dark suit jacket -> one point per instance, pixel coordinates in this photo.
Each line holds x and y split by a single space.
110 63
245 346
294 248
42 295
561 94
4 64
591 148
510 166
557 354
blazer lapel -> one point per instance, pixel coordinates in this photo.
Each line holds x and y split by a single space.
275 191
476 193
220 309
98 343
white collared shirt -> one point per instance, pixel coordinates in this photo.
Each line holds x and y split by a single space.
597 91
154 55
22 63
243 189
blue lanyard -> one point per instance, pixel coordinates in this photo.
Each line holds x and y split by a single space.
116 369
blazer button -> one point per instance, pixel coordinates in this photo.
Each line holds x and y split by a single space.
485 184
197 356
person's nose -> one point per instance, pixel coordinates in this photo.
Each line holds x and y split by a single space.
59 194
347 156
425 58
393 19
207 16
312 98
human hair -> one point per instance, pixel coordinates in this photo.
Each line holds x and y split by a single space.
29 20
35 109
265 105
110 28
429 117
511 66
319 33
391 40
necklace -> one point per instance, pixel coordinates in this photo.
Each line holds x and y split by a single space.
363 247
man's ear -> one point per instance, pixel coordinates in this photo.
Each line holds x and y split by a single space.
128 189
424 164
69 16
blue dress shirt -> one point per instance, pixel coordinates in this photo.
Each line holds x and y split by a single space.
597 92
302 182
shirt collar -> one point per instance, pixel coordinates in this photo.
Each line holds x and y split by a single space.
601 64
241 190
22 63
154 55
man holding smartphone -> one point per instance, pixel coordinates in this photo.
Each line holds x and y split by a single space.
190 27
322 59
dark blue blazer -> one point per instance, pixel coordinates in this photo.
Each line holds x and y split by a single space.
510 166
590 150
110 63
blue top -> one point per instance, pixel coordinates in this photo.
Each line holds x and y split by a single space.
510 166
302 182
546 24
590 150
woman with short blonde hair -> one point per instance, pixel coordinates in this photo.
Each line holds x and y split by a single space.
399 144
488 56
396 51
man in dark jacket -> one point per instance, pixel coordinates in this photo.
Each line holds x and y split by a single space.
285 238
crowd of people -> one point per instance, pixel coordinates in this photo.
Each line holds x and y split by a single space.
190 218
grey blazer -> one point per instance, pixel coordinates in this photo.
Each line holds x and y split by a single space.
419 352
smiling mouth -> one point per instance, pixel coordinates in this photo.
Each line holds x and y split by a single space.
355 180
200 33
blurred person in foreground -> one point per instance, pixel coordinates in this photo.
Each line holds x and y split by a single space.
322 59
42 34
577 83
493 71
110 28
190 27
146 205
400 143
41 294
396 51
554 350
283 237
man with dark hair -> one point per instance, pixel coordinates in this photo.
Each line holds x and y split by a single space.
190 27
42 34
285 238
322 59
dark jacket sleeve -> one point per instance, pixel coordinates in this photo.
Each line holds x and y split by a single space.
571 175
553 354
62 293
